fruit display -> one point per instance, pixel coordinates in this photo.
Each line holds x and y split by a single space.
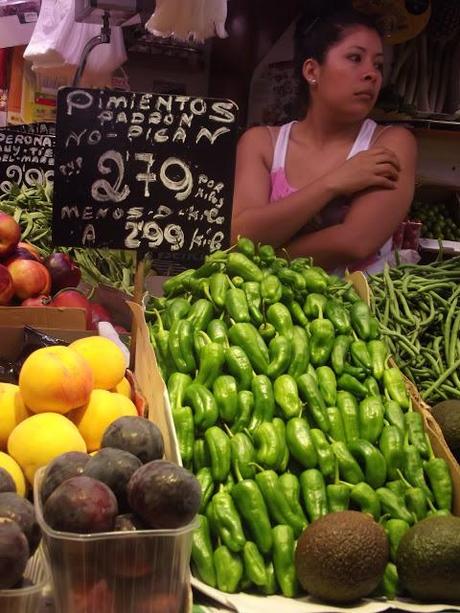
32 208
60 404
437 220
422 333
287 411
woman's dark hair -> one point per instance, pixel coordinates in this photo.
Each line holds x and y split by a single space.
315 35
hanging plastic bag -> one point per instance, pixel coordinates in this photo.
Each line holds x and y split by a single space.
48 42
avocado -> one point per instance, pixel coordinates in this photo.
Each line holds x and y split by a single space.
447 414
341 557
428 560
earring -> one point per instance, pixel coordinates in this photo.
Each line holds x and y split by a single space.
313 82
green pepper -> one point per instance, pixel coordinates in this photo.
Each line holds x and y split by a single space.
297 314
212 263
247 337
218 285
371 459
280 350
389 584
372 386
394 384
394 415
321 341
266 253
200 314
395 529
220 452
280 317
356 372
212 521
337 431
375 329
229 569
290 488
205 412
280 428
218 332
180 343
394 505
314 281
252 508
350 384
270 289
236 305
441 482
309 391
371 418
327 384
314 493
315 305
239 366
243 455
351 295
278 507
349 469
326 458
239 264
300 442
416 502
338 314
199 288
201 457
339 353
178 308
200 340
348 408
292 278
378 353
301 263
245 409
271 587
287 294
159 338
364 497
338 497
254 564
253 297
228 521
225 393
391 445
300 356
361 319
416 430
206 482
287 396
246 246
413 468
268 446
185 430
212 357
264 401
283 559
398 487
177 384
267 332
202 554
179 283
361 355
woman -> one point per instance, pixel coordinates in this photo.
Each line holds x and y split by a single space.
333 185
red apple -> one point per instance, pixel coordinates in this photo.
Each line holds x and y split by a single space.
63 270
6 286
98 313
10 233
30 278
71 297
39 301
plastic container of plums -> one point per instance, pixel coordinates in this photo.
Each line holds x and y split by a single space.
28 597
128 571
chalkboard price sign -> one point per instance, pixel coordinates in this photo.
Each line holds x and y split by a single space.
147 172
25 158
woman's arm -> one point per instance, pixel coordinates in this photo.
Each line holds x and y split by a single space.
373 217
253 214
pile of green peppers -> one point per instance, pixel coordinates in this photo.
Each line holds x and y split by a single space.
286 409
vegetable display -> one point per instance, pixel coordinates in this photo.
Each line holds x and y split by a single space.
285 409
416 306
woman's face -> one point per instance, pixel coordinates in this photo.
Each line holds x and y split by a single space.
350 78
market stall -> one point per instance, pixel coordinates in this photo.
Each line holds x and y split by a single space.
247 426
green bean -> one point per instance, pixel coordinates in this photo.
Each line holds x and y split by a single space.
445 375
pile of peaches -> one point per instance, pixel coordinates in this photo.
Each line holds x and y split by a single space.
27 279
